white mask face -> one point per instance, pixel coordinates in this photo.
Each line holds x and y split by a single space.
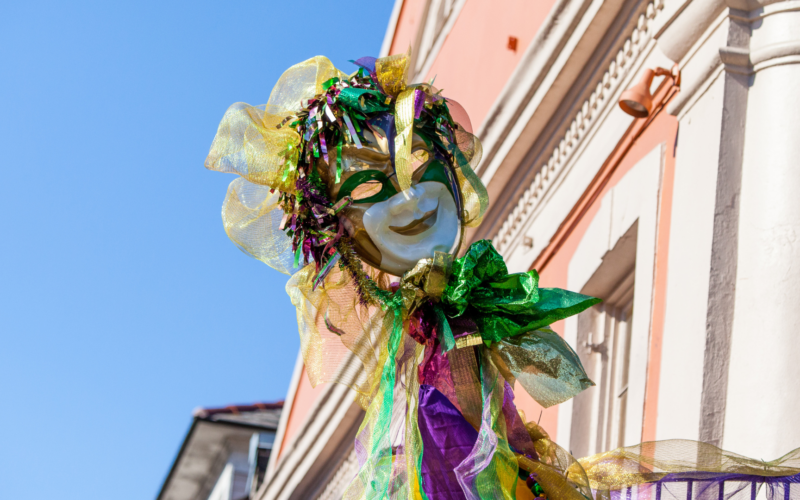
412 225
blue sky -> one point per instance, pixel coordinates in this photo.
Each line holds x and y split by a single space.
123 305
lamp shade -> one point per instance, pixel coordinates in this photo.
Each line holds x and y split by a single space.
637 100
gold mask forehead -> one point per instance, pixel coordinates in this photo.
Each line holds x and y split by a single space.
374 155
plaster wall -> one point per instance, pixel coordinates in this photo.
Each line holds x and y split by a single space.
474 62
688 273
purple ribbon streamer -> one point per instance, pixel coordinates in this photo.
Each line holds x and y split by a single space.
447 439
419 102
352 130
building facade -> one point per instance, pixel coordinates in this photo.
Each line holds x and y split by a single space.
685 221
224 455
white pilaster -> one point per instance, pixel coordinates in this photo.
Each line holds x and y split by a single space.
764 375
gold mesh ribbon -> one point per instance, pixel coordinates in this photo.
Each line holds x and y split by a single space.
252 218
544 365
333 323
473 192
249 143
490 469
301 82
248 140
554 483
439 274
467 384
651 461
392 72
557 471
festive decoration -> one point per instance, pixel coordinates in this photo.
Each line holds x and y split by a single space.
346 180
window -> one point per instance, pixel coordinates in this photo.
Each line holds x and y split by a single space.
604 346
260 449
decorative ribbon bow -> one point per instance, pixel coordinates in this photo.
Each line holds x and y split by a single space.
501 304
511 314
479 287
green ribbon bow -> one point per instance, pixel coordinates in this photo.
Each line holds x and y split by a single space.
501 304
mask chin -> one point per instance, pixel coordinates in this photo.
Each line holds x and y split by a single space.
413 225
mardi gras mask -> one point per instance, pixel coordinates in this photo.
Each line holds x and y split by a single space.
393 229
349 169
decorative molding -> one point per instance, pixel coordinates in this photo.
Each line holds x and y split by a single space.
746 62
685 29
328 424
345 472
761 12
550 170
700 67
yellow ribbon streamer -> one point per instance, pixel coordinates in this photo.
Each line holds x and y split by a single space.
404 119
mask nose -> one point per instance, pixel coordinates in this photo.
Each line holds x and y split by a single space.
406 201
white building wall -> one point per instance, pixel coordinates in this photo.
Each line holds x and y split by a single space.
692 223
738 112
634 200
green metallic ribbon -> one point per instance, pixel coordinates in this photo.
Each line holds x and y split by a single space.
479 286
501 304
448 340
367 101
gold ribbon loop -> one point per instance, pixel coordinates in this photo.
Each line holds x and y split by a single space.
404 119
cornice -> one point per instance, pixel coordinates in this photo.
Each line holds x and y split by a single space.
551 170
764 9
744 61
750 5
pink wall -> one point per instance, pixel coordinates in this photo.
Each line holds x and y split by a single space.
303 401
407 24
474 62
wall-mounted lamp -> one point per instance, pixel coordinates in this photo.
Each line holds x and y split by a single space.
637 100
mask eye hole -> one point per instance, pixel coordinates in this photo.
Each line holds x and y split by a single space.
367 186
366 190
